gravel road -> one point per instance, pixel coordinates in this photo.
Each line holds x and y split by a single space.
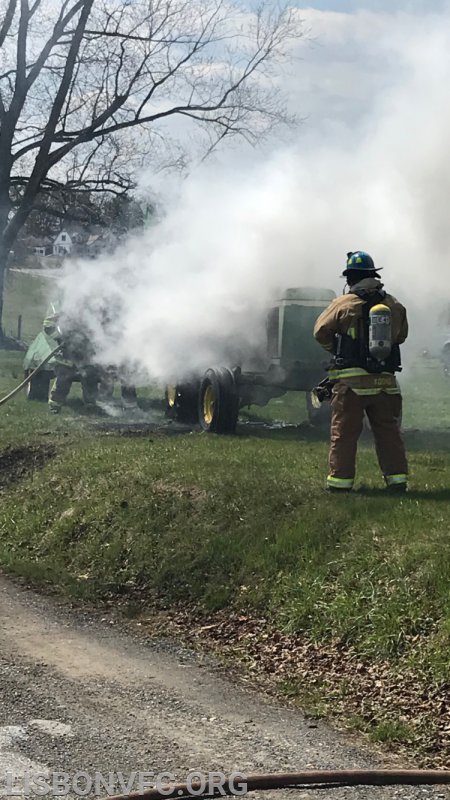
79 692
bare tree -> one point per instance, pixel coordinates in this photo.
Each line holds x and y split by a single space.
86 86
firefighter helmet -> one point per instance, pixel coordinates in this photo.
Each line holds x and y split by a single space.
360 261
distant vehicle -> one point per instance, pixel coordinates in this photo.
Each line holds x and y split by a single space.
293 362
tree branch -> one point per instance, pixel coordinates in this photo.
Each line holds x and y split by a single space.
7 21
108 69
57 32
41 165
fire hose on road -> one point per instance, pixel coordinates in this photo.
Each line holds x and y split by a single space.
29 377
327 779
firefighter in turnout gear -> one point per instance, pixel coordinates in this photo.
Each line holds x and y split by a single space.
362 330
110 322
72 362
108 377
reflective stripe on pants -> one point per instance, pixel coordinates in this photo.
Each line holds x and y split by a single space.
395 480
339 483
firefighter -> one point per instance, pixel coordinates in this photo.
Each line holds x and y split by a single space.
72 362
363 374
110 315
108 377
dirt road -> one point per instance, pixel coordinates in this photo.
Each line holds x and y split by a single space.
78 693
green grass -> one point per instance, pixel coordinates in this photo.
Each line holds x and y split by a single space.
373 572
244 521
291 408
425 387
398 732
29 297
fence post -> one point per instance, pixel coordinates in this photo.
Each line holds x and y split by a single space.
19 326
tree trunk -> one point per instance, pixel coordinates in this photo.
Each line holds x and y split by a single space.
4 254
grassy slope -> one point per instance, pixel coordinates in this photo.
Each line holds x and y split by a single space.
200 517
244 522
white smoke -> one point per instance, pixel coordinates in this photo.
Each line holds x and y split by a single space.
192 291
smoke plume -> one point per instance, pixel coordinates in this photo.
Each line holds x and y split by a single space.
370 172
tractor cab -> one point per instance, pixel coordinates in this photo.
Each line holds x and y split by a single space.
296 359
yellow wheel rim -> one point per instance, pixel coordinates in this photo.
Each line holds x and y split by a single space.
171 395
208 405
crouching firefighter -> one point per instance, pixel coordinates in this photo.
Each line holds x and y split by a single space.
362 330
73 362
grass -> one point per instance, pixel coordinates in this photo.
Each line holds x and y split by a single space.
397 732
425 387
27 296
291 408
243 523
259 534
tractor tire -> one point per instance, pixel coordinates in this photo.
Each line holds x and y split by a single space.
319 417
182 402
39 386
218 401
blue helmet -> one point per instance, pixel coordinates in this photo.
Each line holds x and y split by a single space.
361 261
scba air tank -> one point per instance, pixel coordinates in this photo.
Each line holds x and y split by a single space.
380 332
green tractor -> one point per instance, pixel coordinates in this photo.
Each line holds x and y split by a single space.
293 362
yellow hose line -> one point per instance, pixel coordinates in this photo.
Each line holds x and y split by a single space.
28 379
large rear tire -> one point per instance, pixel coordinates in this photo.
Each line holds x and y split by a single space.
218 401
182 402
39 386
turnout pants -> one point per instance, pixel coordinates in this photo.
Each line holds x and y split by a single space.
383 411
65 376
108 377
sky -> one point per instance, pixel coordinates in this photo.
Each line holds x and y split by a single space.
355 50
349 6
